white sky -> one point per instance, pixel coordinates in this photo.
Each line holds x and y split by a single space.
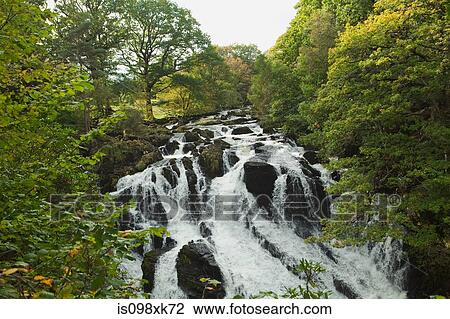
241 21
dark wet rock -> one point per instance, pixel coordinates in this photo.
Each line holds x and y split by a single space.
259 178
171 147
149 267
269 130
170 176
345 289
192 137
323 211
162 242
211 160
124 197
187 163
205 229
189 147
194 262
151 206
327 251
190 174
126 221
315 206
241 130
233 159
207 134
311 157
257 147
272 248
241 112
308 170
181 129
336 176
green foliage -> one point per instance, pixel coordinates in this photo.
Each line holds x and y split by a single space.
241 60
395 142
308 271
207 85
48 251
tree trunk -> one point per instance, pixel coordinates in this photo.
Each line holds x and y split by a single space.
148 103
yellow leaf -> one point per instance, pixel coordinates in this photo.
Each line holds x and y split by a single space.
23 270
48 282
125 234
11 271
39 278
75 251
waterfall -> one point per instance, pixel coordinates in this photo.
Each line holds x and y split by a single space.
254 251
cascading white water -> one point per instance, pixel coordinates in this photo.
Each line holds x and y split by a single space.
248 268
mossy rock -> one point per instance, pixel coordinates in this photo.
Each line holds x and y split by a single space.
124 158
147 160
192 137
211 160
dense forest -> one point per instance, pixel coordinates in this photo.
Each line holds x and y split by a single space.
367 84
86 87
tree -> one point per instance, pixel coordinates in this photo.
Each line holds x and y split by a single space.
248 53
241 60
207 86
161 39
88 33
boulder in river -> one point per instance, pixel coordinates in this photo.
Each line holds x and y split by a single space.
211 160
259 177
192 137
149 267
207 134
311 157
196 262
171 147
233 159
205 229
189 147
242 130
345 289
190 175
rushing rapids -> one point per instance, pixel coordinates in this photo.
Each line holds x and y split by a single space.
223 183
